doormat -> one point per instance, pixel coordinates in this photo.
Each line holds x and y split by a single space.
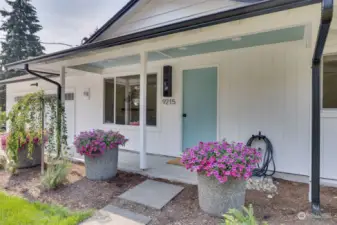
176 161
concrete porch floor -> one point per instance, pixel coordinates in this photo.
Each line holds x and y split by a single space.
128 161
157 167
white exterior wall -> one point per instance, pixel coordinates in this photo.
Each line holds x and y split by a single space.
263 88
329 116
328 140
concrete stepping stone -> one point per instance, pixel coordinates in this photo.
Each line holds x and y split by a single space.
112 215
152 193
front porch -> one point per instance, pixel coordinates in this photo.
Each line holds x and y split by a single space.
128 161
157 167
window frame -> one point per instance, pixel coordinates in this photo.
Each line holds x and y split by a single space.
115 77
325 110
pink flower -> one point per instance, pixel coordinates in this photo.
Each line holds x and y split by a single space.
222 160
96 142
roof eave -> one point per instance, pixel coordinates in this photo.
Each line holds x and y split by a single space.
221 17
111 21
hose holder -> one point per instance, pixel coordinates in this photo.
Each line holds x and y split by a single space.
268 158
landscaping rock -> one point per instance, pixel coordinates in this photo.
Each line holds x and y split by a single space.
262 184
3 161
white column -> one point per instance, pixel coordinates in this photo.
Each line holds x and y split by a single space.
63 83
63 98
142 111
127 103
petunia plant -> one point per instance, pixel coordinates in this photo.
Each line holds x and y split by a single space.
222 160
25 141
96 142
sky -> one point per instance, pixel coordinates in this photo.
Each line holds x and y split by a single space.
68 21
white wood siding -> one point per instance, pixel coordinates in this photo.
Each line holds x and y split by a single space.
329 146
156 13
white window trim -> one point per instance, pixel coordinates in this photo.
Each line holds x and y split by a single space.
131 127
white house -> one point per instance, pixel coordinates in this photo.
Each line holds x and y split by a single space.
238 67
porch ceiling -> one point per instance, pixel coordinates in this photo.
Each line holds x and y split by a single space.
263 38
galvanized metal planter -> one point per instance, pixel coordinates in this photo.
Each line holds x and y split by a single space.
216 198
102 167
27 162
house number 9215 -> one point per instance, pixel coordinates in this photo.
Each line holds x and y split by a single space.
169 101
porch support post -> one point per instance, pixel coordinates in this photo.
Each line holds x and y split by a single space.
315 139
59 113
127 103
326 17
142 110
63 83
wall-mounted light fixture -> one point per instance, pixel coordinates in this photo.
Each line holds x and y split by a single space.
34 84
86 93
167 81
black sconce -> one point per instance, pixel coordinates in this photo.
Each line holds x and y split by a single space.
167 81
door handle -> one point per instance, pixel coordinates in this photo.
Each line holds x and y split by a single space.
184 115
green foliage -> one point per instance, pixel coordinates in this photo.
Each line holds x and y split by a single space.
56 174
3 118
20 26
25 120
16 211
236 217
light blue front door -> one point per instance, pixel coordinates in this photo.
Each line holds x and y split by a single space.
199 106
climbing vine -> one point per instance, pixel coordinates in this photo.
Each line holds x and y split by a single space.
26 126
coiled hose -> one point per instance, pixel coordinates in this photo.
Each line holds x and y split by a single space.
268 157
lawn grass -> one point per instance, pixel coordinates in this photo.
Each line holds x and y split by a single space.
18 211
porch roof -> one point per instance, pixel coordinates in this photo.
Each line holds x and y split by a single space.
261 8
263 38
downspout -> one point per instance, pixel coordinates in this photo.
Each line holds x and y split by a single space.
59 87
326 17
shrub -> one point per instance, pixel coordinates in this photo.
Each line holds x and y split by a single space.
236 217
56 174
94 143
3 119
222 160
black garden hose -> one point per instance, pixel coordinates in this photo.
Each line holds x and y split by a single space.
268 157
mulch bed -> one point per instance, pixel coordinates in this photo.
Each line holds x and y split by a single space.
81 193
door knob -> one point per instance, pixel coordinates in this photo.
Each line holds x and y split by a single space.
184 115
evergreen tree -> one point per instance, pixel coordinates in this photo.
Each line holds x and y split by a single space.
20 26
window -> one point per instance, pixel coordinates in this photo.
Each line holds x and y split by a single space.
127 100
109 89
151 100
329 85
126 91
